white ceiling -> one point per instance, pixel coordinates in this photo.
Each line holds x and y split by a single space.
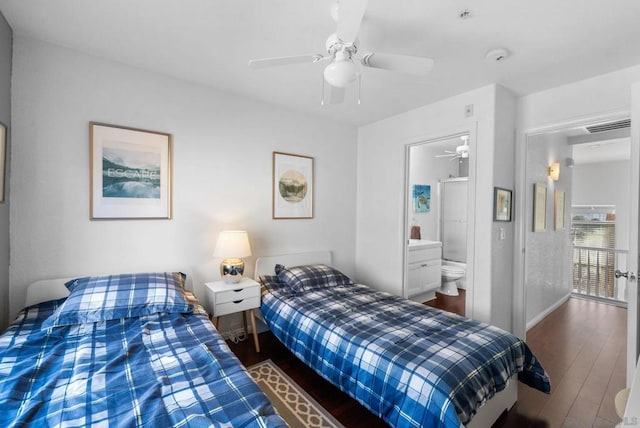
602 151
210 41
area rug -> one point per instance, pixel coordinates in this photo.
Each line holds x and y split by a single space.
295 406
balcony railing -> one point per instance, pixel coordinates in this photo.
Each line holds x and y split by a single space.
593 273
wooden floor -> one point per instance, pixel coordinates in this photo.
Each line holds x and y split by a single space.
582 346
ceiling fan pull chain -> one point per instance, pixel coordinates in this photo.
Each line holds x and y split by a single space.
359 87
322 100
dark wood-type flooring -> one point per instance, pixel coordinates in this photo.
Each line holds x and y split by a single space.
582 345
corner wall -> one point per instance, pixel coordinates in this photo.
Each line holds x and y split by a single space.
380 245
549 253
222 173
6 41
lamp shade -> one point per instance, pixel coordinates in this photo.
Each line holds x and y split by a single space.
232 244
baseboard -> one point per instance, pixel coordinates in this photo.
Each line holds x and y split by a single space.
542 315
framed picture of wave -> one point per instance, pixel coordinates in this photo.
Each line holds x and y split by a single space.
292 186
131 173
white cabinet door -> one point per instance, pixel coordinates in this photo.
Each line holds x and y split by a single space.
414 279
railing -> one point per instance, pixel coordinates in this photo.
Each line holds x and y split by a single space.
593 272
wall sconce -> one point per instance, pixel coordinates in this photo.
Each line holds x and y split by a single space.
232 245
554 171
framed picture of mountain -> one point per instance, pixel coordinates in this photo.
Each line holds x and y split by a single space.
292 186
131 174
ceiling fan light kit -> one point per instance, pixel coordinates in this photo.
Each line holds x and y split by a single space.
342 48
342 71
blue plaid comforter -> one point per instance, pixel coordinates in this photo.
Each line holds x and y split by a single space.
158 370
409 364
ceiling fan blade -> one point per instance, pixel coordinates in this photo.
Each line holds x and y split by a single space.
285 60
350 14
336 95
448 155
415 65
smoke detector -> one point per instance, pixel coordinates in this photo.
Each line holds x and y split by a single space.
497 55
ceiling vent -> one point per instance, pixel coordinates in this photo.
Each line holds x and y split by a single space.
620 124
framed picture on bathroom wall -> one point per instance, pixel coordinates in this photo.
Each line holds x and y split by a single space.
539 207
421 198
501 204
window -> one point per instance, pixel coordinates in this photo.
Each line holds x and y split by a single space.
593 231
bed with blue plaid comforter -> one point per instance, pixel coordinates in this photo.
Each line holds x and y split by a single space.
156 370
412 365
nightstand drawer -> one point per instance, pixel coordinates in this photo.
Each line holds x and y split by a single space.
235 295
238 305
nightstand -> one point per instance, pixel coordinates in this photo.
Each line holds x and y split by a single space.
224 299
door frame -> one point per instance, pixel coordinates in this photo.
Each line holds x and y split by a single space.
521 209
471 131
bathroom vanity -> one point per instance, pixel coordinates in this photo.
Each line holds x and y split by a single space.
423 269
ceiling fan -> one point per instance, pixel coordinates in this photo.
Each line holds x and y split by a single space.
342 47
461 152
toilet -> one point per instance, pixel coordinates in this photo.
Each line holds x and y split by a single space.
451 273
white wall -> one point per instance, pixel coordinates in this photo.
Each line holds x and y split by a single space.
381 174
503 176
222 172
549 253
6 39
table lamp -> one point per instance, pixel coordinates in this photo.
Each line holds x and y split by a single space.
232 245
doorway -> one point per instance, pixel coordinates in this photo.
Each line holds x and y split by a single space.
431 165
587 230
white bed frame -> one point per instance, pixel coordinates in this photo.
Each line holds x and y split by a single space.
46 289
487 414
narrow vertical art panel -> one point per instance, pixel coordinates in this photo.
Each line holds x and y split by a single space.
130 173
539 207
559 197
292 191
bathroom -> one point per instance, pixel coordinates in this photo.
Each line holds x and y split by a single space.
437 217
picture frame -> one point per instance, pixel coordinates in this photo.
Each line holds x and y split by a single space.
502 204
559 209
131 173
421 198
292 191
3 158
539 207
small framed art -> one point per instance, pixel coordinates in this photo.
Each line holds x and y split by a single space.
292 186
131 173
421 198
501 204
539 207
